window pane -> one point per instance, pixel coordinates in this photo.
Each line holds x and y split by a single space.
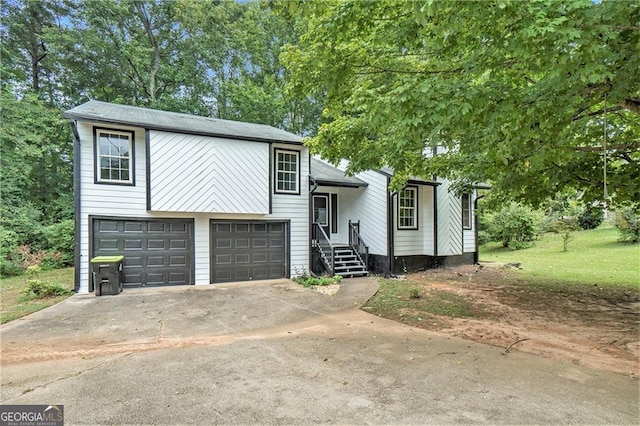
104 145
286 172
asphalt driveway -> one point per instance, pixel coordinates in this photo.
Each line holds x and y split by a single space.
274 352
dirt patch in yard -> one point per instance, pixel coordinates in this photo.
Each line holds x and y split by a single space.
587 325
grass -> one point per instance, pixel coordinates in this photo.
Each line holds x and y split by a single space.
402 301
593 257
14 303
596 266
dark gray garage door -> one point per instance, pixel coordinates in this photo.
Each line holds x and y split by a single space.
243 251
156 252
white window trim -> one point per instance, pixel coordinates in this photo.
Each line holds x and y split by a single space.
414 191
98 167
296 190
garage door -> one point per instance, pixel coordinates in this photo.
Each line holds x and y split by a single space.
243 251
156 252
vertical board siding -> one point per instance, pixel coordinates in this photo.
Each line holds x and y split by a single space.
449 222
408 242
203 174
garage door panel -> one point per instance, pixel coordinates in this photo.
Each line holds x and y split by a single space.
243 251
135 227
108 227
156 252
108 245
175 261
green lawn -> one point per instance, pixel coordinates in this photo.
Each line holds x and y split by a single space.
593 257
14 303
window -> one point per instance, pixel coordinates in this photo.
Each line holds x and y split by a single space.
466 211
287 172
408 208
114 156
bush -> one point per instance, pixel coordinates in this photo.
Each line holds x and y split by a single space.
308 281
514 225
39 289
59 237
9 261
10 268
590 217
627 220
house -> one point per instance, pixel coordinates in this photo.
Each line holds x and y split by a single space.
422 226
187 200
197 200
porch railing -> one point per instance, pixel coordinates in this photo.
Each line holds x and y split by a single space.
325 248
357 244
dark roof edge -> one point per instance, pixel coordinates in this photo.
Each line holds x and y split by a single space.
423 182
173 130
340 184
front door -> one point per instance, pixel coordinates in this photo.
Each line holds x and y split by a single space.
321 212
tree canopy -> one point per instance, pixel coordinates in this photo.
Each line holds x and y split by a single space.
518 94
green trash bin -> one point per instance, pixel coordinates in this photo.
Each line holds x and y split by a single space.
107 274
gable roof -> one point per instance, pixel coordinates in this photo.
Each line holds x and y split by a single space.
327 175
105 112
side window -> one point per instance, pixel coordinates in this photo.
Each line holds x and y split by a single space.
408 208
287 172
466 211
114 158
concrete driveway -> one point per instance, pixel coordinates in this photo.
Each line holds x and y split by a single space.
274 352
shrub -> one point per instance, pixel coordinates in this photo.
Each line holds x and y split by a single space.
10 268
627 220
40 289
590 217
515 224
308 281
59 237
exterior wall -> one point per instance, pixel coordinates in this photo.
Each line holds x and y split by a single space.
419 241
130 201
450 241
191 173
296 209
469 235
370 208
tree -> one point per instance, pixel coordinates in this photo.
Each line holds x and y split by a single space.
240 44
513 93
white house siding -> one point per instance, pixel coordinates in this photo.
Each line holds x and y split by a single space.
370 208
450 241
105 199
296 209
119 201
191 173
410 242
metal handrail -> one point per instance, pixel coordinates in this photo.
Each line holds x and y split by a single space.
357 243
324 246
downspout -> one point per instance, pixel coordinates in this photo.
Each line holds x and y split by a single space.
77 234
315 186
435 213
390 236
435 224
476 254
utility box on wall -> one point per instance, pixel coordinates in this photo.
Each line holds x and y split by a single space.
107 274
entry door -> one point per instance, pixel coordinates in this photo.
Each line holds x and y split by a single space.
321 212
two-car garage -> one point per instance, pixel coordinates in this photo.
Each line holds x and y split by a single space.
161 252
